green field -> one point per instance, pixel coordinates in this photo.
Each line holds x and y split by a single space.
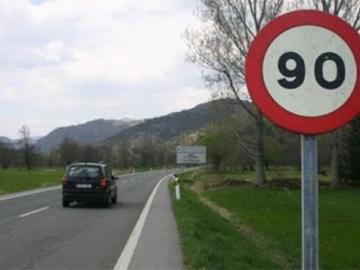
209 242
18 179
270 218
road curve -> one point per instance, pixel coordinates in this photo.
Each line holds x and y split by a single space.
37 233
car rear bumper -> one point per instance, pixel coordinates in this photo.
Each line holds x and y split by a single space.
79 195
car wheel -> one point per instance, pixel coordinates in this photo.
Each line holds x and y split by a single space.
114 199
107 201
65 203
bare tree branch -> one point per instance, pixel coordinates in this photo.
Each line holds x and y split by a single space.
349 10
221 49
232 87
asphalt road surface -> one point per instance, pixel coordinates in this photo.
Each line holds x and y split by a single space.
37 233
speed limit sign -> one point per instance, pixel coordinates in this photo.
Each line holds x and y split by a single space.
302 72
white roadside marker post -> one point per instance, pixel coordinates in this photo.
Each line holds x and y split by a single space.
175 181
177 191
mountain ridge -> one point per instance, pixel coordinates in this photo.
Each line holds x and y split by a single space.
90 132
111 132
174 124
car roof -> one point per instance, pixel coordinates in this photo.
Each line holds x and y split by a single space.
88 164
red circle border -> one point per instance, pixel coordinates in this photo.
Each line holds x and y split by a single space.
259 93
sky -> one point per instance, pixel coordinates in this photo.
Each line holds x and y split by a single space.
65 62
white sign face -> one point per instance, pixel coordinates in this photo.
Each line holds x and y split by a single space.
309 71
191 155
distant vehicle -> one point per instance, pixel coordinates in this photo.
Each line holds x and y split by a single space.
89 182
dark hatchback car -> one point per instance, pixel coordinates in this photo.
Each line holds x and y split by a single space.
89 182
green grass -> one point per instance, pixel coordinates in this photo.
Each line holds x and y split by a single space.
18 179
210 242
275 214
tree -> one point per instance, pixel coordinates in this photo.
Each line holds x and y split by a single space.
89 153
123 153
52 159
8 155
26 147
69 151
217 147
146 150
168 153
351 164
349 10
221 47
105 153
230 135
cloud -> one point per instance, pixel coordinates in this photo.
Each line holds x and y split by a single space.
66 61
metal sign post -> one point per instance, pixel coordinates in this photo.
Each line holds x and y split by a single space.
309 186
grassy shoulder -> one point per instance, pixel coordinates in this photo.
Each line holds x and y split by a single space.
19 179
275 214
210 242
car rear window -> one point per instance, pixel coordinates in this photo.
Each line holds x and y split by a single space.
84 171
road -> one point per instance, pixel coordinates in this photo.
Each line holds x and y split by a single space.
37 233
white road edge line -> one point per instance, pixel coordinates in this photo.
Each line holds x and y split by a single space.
27 193
34 212
128 252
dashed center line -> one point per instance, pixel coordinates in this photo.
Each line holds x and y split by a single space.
33 212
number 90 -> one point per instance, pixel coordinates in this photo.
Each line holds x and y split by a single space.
298 72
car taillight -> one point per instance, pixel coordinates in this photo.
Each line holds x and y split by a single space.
104 183
65 181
